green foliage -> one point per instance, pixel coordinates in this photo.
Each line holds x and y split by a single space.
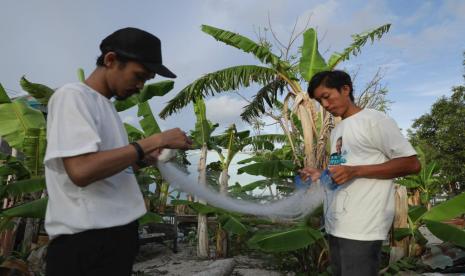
403 264
446 232
34 145
428 181
285 240
31 209
203 127
247 45
449 209
148 122
81 75
434 221
311 61
358 41
267 94
234 225
220 81
4 96
150 90
441 130
150 217
40 92
17 118
21 187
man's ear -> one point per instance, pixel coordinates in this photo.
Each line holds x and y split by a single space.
109 60
345 90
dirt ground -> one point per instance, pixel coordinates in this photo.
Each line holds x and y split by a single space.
158 259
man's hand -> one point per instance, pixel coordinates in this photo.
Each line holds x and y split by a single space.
341 174
310 172
175 139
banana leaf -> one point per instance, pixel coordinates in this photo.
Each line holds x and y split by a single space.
233 225
447 232
13 166
447 210
287 240
148 122
358 41
311 61
4 96
198 207
40 92
32 209
81 75
15 120
134 134
400 233
203 128
154 89
34 149
224 80
23 187
150 217
270 168
247 45
416 212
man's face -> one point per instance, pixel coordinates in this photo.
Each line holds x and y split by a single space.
128 79
334 101
339 146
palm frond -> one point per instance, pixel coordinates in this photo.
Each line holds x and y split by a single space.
247 45
268 94
358 41
220 81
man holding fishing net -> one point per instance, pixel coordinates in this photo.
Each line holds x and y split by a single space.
367 152
94 199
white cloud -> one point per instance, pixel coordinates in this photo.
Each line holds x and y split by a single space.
225 110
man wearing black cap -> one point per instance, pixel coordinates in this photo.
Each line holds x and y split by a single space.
94 199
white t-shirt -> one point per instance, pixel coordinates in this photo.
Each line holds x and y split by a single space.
81 120
363 209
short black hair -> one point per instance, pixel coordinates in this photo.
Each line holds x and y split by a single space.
331 79
122 59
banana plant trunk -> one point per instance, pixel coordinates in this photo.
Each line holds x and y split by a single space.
202 220
7 237
221 234
400 249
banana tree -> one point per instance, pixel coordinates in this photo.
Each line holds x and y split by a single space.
434 220
424 185
305 244
23 128
202 139
278 75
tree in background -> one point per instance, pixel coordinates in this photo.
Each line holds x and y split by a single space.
441 132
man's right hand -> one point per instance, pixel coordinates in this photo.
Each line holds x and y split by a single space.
310 172
175 139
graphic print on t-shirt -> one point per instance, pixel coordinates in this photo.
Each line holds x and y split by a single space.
338 157
336 200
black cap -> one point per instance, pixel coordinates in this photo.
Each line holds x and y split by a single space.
138 45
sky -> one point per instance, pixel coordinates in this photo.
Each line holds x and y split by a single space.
421 57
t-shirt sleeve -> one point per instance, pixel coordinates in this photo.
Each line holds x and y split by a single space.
71 128
387 137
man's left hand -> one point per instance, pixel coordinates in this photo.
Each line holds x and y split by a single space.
341 174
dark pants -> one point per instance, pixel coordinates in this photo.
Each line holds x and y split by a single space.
108 251
352 257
